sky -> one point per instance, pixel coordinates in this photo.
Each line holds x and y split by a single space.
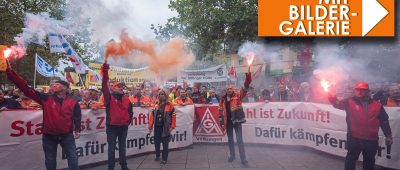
110 17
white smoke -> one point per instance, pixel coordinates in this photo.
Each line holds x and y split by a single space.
265 52
109 18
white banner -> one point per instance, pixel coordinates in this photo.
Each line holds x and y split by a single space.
317 126
21 142
45 69
214 74
55 44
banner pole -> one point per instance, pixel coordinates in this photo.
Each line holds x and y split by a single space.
80 78
34 75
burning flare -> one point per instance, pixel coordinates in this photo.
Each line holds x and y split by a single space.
250 59
325 84
7 53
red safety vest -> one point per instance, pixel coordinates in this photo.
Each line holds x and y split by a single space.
364 122
58 118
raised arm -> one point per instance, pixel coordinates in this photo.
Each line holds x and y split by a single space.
104 83
23 85
247 81
336 103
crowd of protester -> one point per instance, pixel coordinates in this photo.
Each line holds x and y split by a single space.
387 93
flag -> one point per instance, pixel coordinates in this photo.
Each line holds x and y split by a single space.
76 61
69 78
95 77
45 69
232 73
55 44
257 73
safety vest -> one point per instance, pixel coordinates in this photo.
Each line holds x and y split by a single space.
179 101
144 101
119 114
363 122
58 118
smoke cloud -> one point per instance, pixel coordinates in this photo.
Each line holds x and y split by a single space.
165 61
36 28
265 52
357 60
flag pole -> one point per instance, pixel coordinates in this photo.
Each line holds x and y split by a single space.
80 78
34 75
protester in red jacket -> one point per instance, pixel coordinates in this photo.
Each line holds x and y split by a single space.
118 117
364 116
61 119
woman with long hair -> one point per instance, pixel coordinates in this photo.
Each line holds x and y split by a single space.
163 120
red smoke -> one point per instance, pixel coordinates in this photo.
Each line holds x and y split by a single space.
165 62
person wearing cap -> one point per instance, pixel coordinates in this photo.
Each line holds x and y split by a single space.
118 117
139 100
231 116
364 116
163 120
61 119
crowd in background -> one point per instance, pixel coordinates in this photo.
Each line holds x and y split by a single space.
387 93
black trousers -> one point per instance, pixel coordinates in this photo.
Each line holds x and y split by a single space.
239 139
158 139
368 149
114 133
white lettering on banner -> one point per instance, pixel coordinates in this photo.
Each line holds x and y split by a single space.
316 126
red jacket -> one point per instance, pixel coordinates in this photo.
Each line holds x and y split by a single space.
60 116
119 110
363 120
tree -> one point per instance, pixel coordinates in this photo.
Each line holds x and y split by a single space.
211 26
12 14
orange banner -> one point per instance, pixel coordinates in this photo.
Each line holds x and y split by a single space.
326 18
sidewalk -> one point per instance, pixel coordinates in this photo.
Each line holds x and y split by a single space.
214 157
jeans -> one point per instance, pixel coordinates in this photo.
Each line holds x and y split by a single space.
355 147
67 142
114 132
238 130
158 139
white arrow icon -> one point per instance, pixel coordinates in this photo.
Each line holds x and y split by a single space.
372 13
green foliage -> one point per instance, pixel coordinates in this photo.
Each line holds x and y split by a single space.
12 15
211 26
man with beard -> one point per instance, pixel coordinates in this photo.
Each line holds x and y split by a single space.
139 100
183 100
